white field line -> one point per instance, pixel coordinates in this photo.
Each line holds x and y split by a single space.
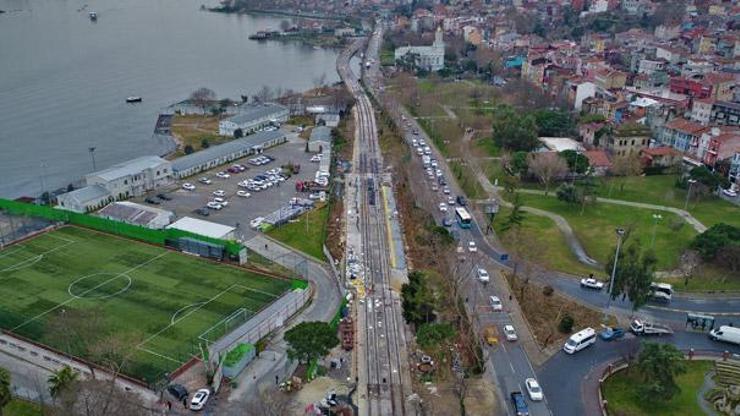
60 238
173 319
228 318
161 356
36 259
190 312
257 291
138 266
12 251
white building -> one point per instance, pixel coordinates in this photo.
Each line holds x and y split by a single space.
431 58
84 199
252 117
320 139
137 214
583 90
204 228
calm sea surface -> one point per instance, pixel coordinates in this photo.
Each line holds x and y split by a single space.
64 79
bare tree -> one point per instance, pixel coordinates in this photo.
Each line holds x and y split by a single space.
319 82
268 402
75 331
547 166
265 94
284 25
626 165
98 398
202 97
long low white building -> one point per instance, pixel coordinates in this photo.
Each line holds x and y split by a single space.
204 228
224 153
251 117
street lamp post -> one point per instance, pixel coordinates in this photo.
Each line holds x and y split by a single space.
620 234
688 194
656 220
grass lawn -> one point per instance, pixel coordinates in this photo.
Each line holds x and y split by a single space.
467 180
489 147
621 392
595 228
552 250
192 129
708 278
18 407
308 238
163 300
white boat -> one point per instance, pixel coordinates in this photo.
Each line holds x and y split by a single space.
93 15
133 99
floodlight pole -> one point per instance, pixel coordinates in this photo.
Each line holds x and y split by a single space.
620 234
688 194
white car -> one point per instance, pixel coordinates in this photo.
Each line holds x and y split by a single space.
534 389
243 194
510 333
496 304
199 399
472 247
256 222
446 190
450 201
204 181
214 205
729 192
592 283
443 207
188 186
483 275
223 175
219 192
221 201
316 158
435 188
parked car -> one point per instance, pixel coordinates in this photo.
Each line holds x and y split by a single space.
202 211
150 200
472 247
496 303
204 181
219 192
592 283
199 399
609 333
729 192
483 275
256 222
520 405
221 201
443 207
164 197
188 186
510 333
243 194
534 389
223 175
178 391
214 205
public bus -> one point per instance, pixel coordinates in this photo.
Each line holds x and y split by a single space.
463 218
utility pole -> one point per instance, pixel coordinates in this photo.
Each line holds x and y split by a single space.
92 157
688 194
620 234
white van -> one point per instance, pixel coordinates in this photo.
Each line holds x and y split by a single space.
726 334
580 340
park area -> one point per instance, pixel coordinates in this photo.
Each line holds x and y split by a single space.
74 289
307 233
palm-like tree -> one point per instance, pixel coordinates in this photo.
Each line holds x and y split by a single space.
60 380
6 395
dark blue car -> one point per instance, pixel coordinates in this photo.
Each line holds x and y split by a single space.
520 405
609 334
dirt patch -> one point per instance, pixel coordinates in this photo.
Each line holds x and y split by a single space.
543 312
480 397
196 130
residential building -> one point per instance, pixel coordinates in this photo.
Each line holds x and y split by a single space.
609 79
722 146
599 162
431 58
252 117
628 139
224 153
663 157
680 134
725 113
701 110
85 199
588 134
320 139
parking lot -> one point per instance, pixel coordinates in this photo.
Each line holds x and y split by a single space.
240 210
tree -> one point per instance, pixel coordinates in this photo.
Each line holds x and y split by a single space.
434 334
418 300
310 340
97 398
553 123
659 364
547 167
635 272
6 395
513 130
516 216
577 162
238 133
708 178
568 193
61 380
566 324
188 149
264 94
626 165
714 240
204 143
202 97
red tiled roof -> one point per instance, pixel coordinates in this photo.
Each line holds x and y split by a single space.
685 126
718 77
660 151
598 158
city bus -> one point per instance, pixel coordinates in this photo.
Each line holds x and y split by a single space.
463 218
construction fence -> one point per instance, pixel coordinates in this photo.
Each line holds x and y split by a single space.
135 232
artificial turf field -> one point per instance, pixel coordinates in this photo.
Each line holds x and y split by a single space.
167 299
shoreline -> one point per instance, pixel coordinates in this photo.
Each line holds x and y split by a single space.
274 13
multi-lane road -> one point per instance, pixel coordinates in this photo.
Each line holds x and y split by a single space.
383 369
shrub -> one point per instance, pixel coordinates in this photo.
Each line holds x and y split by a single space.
566 324
188 149
548 290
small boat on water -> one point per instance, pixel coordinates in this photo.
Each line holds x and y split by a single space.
93 16
133 99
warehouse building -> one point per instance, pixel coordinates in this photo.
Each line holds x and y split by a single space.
137 214
320 139
224 153
204 228
252 117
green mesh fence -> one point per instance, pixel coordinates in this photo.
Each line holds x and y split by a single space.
109 226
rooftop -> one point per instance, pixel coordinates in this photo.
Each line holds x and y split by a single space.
685 126
214 152
200 227
559 144
320 133
249 112
88 193
131 167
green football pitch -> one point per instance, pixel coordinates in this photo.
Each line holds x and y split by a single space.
171 301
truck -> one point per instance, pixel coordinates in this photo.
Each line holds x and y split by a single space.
726 333
639 327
